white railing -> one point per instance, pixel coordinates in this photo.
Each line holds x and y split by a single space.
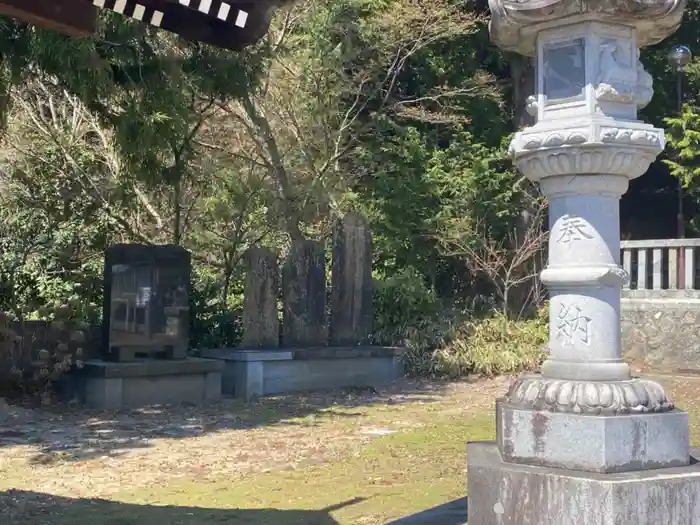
661 264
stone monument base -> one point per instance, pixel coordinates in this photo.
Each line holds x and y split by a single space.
255 373
503 493
113 386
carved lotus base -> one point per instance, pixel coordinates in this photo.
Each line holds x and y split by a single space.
576 146
635 396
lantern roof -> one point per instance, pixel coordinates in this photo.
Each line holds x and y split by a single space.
515 23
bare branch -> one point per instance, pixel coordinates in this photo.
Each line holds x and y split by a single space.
506 263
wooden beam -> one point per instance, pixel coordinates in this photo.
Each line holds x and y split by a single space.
234 31
72 17
233 25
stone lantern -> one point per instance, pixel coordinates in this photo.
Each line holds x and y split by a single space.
585 443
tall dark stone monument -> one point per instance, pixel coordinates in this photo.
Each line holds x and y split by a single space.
304 295
146 302
351 281
261 326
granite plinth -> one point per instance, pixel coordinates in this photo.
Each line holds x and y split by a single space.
255 373
612 443
113 386
503 493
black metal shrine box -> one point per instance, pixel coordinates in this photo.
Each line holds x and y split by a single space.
146 302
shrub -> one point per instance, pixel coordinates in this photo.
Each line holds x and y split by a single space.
215 329
11 357
456 345
449 342
214 323
421 344
490 346
402 304
408 313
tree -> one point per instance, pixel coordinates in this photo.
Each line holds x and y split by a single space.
506 261
332 70
391 107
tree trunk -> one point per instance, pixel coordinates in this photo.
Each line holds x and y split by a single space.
228 272
522 70
278 171
524 84
177 219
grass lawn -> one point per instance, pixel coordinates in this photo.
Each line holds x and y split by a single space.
366 481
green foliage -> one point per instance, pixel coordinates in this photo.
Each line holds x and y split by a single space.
475 185
684 141
43 262
492 346
449 342
457 344
408 313
213 324
136 136
403 305
399 201
654 58
683 150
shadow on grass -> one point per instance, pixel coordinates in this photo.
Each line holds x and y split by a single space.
74 434
32 508
452 513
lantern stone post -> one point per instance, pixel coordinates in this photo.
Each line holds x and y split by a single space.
585 443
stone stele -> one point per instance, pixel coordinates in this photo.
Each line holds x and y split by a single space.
585 442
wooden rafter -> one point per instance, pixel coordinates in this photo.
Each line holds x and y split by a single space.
71 17
157 12
230 24
227 24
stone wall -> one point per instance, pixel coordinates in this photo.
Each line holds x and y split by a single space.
34 338
661 329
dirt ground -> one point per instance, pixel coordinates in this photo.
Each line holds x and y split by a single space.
285 452
72 452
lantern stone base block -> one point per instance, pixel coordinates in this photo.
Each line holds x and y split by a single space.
510 493
592 443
